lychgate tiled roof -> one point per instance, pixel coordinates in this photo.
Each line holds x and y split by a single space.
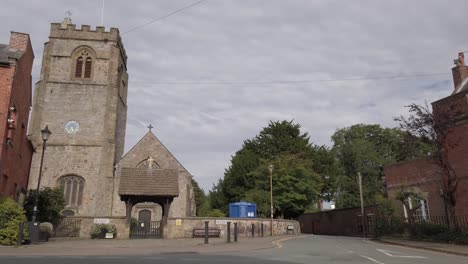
149 182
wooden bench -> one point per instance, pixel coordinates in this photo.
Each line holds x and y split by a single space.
212 232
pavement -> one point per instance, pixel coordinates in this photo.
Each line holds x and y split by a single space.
89 247
461 250
304 249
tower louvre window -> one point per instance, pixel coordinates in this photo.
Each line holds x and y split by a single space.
84 65
79 67
88 66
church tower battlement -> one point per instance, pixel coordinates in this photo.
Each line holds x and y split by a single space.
82 97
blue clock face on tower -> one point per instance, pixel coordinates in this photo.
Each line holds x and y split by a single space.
72 127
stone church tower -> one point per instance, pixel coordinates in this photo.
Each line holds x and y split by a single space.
82 97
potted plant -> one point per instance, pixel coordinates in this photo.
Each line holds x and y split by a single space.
102 231
46 230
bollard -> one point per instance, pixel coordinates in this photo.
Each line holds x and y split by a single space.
262 229
235 232
20 234
206 232
228 232
253 230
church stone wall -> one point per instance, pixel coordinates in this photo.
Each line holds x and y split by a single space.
81 161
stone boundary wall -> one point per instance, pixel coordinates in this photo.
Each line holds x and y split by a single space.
123 229
183 227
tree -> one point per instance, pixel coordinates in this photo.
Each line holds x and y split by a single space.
436 131
411 201
247 176
366 149
201 201
295 185
50 204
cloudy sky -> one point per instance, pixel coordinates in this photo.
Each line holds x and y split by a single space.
214 74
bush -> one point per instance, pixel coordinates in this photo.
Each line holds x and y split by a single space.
100 230
46 227
11 215
216 213
50 204
428 230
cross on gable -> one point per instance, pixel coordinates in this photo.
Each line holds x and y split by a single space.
150 127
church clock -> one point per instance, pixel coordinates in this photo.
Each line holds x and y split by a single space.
72 127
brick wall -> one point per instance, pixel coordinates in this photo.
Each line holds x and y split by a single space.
339 222
15 83
422 176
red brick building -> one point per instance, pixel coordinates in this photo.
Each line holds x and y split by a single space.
425 176
16 60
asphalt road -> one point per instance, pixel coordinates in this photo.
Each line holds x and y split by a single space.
308 249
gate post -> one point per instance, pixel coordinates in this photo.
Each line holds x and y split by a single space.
20 234
262 229
228 232
253 230
235 232
206 232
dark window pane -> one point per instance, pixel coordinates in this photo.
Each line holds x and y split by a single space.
88 68
79 67
80 192
67 191
74 192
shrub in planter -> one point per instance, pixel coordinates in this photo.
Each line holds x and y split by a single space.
100 230
47 228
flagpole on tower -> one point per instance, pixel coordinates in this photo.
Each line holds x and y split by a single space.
102 13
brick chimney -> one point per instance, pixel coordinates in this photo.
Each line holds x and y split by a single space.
19 41
460 71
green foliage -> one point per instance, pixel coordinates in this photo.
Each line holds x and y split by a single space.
295 184
11 215
201 201
303 172
216 213
47 227
99 230
367 149
385 206
50 204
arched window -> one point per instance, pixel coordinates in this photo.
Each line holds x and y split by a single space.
83 65
149 163
68 213
72 187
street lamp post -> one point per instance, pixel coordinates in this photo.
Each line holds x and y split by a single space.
364 219
45 133
270 168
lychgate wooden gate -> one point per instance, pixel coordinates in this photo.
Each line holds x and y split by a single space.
145 229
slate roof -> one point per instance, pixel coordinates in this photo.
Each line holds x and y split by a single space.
6 53
148 182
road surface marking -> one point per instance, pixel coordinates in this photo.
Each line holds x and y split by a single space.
371 259
278 244
387 252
